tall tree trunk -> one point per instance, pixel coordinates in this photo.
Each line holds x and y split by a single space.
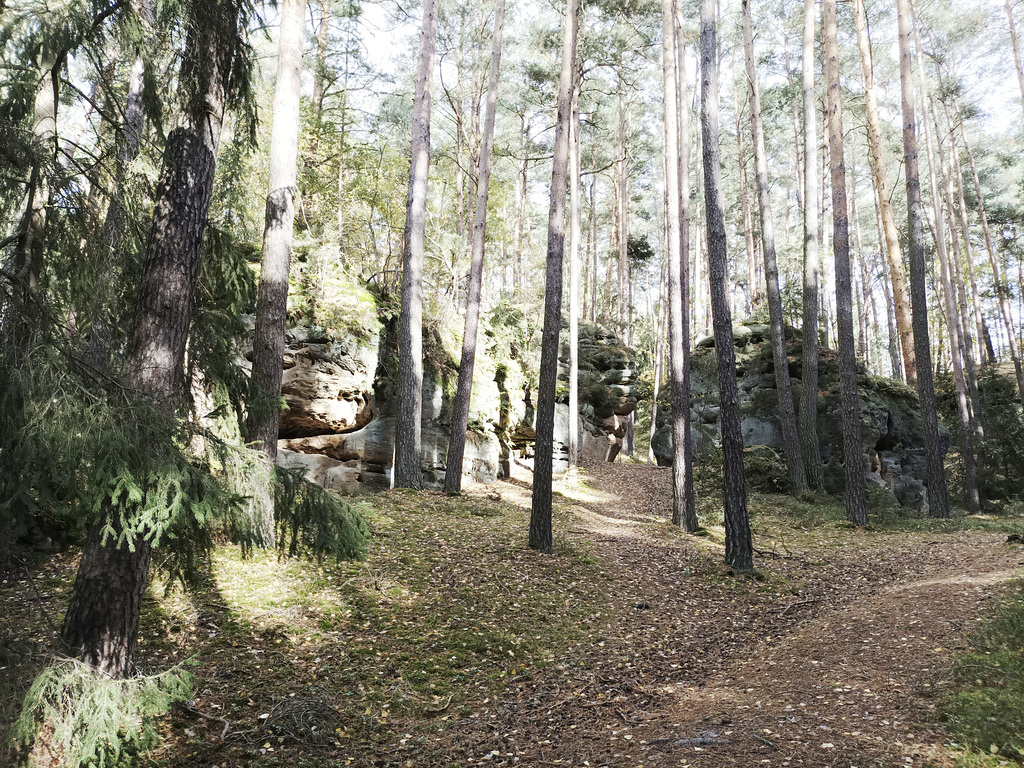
949 169
956 175
853 447
683 106
30 241
681 515
128 141
592 239
738 545
746 217
102 620
967 456
901 302
464 389
1018 67
323 32
407 470
272 300
1001 293
659 351
937 497
623 218
809 363
575 237
540 515
787 412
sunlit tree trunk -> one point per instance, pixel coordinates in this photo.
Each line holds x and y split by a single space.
407 471
464 388
1005 312
323 31
683 106
901 303
1018 67
787 412
966 427
540 515
809 364
853 448
681 516
575 237
623 217
937 497
659 351
30 241
738 545
272 300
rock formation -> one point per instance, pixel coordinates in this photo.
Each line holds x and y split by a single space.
890 419
339 426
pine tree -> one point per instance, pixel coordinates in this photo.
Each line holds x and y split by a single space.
102 620
738 545
540 514
407 471
853 448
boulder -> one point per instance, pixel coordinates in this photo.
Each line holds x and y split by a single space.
327 384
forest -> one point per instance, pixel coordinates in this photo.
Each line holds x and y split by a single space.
619 383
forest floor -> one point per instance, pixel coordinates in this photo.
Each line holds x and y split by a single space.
453 644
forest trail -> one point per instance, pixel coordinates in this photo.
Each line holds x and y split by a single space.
454 645
841 666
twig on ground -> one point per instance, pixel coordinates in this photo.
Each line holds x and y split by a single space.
761 739
797 604
213 718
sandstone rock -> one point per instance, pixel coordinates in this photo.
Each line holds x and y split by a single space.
890 421
327 384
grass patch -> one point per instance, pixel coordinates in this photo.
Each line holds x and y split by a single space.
986 713
448 606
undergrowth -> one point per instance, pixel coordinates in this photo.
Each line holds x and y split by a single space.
986 713
84 720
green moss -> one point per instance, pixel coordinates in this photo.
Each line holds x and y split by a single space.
986 712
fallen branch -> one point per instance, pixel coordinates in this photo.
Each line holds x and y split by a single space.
767 742
797 604
213 718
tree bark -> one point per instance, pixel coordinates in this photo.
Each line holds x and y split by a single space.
540 514
1005 312
787 412
809 363
853 447
897 275
102 620
967 456
1017 66
623 217
937 496
683 105
464 389
738 545
323 32
681 515
575 236
407 470
272 299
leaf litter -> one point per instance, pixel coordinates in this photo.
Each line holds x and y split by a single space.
453 644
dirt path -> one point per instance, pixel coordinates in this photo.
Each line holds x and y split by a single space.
836 655
835 659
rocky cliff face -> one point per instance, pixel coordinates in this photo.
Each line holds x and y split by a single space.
890 419
339 427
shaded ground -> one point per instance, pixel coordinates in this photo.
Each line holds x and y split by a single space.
454 645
